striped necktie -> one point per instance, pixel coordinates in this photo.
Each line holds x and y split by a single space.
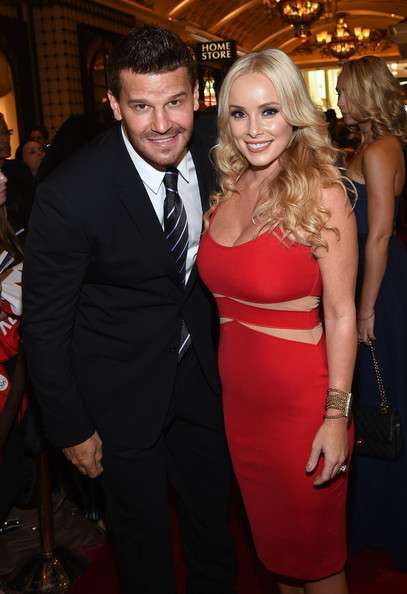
176 233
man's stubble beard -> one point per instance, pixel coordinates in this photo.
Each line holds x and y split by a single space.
150 157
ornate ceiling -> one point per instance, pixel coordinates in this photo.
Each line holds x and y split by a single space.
248 22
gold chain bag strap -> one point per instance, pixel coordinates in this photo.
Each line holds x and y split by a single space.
378 429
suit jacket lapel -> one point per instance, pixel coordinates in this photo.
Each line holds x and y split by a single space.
133 195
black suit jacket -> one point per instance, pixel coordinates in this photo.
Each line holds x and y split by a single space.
103 302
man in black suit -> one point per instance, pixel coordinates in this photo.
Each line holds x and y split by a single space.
119 329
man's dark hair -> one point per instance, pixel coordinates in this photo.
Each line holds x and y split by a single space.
149 49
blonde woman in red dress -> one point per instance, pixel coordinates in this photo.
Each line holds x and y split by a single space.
280 242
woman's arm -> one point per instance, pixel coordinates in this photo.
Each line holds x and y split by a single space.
338 265
379 169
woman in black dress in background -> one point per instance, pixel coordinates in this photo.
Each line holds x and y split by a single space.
371 99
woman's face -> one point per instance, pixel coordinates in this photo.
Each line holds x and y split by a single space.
259 130
33 154
343 103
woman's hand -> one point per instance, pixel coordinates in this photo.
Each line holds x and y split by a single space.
331 441
366 328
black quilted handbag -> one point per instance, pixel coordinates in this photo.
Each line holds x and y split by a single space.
378 430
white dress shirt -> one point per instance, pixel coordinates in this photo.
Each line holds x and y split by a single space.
188 189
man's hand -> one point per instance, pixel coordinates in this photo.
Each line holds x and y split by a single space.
87 456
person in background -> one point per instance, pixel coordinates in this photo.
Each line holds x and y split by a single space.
16 468
22 174
331 120
76 131
31 153
281 235
19 185
371 100
119 329
40 134
5 146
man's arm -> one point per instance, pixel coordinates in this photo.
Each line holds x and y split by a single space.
57 254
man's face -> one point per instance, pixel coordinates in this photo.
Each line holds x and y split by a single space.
157 111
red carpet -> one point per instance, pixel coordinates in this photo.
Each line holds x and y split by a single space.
370 573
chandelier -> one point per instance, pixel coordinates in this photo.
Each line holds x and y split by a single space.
299 13
340 44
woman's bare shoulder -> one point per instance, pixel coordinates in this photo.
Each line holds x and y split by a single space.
385 148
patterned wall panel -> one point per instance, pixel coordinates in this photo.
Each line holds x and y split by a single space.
8 9
56 33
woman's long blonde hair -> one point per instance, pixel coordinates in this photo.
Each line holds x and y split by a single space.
292 199
373 93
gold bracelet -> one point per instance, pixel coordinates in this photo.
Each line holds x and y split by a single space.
339 400
337 391
335 416
335 401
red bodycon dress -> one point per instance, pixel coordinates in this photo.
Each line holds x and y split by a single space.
273 368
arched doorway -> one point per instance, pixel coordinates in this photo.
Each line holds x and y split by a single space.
19 99
94 48
8 105
97 58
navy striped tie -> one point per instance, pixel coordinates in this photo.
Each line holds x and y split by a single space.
176 233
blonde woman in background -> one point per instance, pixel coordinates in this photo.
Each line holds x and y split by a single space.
371 100
282 236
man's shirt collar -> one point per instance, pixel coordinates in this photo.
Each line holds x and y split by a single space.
152 177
